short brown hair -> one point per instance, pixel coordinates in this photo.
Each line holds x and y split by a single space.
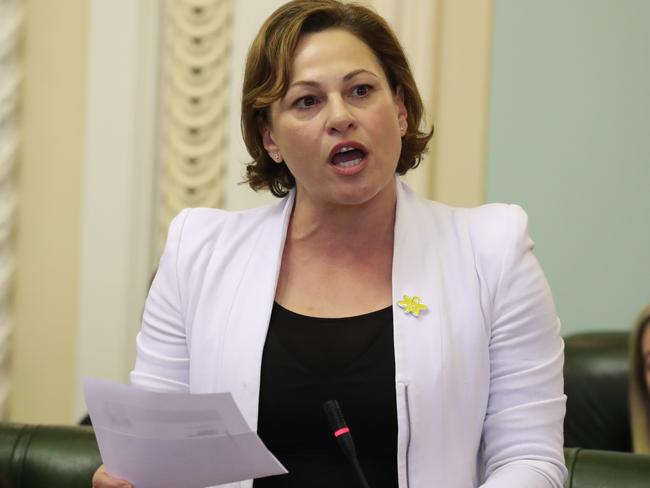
268 67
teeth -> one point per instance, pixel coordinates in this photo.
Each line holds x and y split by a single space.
349 164
345 149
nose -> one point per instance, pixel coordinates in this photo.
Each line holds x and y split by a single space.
340 118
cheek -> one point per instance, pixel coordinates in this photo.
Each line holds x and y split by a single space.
390 124
300 138
388 135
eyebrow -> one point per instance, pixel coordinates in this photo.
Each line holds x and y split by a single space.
347 77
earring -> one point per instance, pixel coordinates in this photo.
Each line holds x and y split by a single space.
402 128
276 157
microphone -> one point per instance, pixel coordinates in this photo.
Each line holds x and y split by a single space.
344 437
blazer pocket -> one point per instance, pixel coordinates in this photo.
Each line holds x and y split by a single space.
403 434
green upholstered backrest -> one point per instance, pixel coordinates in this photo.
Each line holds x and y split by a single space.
40 456
596 384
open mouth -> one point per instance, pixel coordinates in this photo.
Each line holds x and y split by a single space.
347 157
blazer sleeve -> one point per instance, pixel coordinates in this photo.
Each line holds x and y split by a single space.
162 356
522 430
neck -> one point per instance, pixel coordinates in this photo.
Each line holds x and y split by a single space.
369 224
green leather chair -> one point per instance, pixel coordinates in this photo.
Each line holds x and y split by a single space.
597 435
596 384
590 468
66 457
39 456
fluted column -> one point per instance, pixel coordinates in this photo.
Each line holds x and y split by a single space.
195 91
10 21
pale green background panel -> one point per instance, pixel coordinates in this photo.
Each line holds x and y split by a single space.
569 140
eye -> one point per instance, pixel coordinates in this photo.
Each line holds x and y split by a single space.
361 91
305 102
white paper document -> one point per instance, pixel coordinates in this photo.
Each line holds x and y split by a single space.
173 440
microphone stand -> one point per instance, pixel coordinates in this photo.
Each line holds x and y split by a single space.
344 438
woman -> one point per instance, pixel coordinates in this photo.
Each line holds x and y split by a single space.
433 327
640 383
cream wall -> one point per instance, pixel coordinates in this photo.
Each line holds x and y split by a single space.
460 106
47 231
116 258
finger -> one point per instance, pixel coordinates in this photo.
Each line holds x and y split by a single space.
101 479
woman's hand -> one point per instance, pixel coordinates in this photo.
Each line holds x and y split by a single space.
101 479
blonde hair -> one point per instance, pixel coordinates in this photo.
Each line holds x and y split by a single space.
639 394
268 67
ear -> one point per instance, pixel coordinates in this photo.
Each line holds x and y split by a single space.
402 113
268 141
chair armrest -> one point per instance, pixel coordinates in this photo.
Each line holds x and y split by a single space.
42 456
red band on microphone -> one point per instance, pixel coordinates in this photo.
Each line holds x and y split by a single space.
341 431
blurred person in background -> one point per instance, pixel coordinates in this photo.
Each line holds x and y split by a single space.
640 383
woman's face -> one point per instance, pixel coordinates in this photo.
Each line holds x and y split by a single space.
645 354
339 126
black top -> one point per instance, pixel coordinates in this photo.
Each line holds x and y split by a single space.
309 360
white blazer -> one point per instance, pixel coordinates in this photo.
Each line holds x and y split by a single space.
478 375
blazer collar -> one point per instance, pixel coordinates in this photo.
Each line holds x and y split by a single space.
415 272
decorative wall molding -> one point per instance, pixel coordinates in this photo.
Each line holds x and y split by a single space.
10 23
194 118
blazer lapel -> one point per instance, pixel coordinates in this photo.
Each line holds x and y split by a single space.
419 352
247 325
416 272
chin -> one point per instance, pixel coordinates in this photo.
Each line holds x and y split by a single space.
356 196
